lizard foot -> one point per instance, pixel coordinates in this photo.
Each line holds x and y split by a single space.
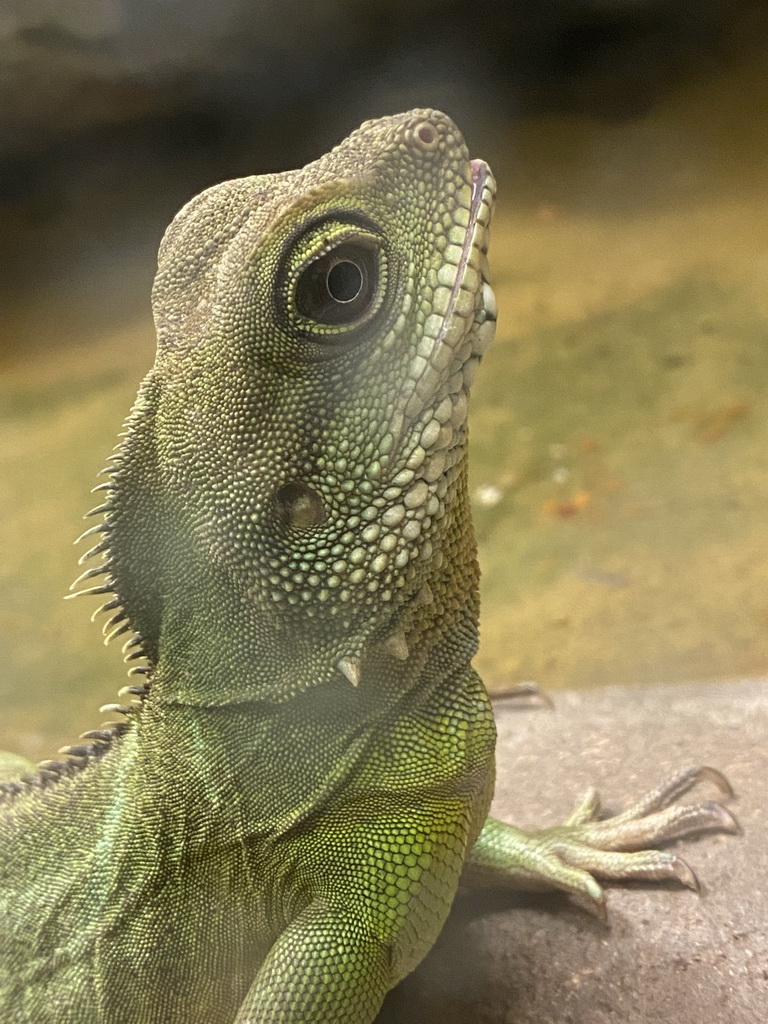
571 856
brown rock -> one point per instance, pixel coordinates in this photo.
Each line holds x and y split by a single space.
667 955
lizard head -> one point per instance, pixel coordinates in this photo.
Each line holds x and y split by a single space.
293 477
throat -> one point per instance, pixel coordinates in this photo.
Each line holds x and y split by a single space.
255 769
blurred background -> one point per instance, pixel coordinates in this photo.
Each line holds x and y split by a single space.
619 424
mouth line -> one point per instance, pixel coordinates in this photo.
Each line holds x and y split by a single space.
480 172
432 363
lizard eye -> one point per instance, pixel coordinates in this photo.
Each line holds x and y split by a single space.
340 285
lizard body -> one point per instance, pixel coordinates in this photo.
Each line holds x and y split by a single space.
277 830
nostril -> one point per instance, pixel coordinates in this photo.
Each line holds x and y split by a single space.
427 134
299 506
424 134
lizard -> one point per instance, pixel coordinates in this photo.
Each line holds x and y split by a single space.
275 828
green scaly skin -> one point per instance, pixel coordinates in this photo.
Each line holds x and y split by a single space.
277 829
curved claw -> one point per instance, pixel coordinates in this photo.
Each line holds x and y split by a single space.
713 775
722 818
685 873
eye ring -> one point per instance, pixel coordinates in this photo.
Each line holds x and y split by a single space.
340 286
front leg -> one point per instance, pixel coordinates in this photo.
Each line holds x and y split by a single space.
326 966
568 856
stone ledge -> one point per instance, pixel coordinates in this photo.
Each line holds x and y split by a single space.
667 956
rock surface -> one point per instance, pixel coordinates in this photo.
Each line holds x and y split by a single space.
667 955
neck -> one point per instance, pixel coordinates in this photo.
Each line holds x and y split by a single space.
214 650
285 759
203 604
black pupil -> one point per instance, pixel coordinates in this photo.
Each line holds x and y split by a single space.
344 281
341 285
